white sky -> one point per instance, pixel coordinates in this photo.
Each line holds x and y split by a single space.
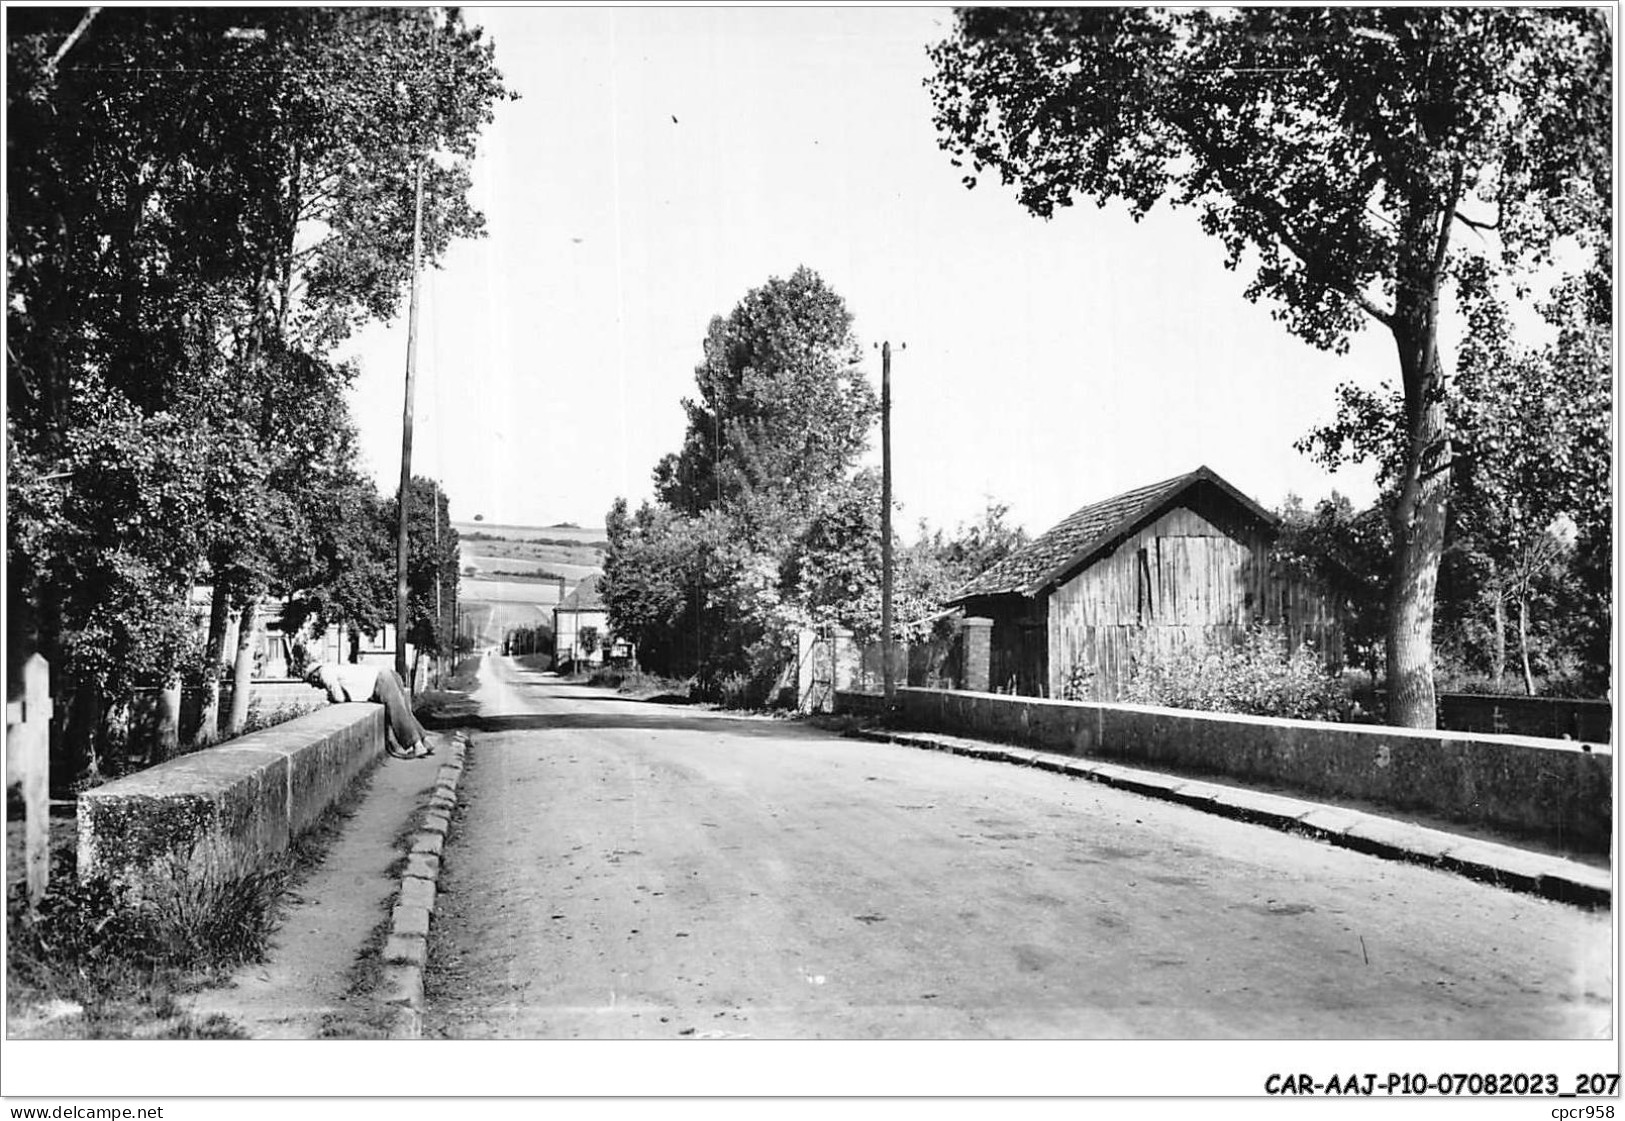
1048 364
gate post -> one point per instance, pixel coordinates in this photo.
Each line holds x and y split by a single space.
28 762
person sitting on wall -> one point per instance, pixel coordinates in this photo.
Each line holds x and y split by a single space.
379 685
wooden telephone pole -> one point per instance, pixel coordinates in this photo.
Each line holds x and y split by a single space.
406 435
888 673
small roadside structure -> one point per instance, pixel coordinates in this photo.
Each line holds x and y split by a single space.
581 611
1183 563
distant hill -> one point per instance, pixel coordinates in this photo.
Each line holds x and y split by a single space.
563 533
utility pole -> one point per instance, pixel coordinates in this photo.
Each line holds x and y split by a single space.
888 675
439 572
406 433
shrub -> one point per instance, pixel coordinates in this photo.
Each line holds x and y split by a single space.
1256 677
1079 684
89 940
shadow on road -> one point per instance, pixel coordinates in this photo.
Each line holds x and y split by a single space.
651 719
658 713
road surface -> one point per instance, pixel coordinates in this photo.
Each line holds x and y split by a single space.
624 869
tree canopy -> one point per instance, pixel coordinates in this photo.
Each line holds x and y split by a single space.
1338 153
202 202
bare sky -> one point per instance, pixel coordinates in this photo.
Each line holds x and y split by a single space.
664 161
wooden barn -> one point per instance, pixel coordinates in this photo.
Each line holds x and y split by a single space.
1180 563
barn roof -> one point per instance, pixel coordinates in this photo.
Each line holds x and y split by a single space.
1052 557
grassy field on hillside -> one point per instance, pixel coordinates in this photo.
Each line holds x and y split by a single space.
518 552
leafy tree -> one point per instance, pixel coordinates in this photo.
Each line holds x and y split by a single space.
432 574
201 203
1536 463
345 577
783 411
650 583
699 582
1337 151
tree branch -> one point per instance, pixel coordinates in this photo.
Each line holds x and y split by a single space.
67 44
1280 226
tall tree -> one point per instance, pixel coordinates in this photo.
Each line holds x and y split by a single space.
783 409
201 203
698 582
1338 151
1536 463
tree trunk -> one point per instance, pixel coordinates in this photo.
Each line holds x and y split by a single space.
242 676
1498 642
1418 526
208 725
79 733
1523 644
1424 490
1419 543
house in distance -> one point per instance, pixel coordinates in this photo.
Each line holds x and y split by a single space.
581 627
1178 564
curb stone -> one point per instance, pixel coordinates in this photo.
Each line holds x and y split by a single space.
1550 877
406 951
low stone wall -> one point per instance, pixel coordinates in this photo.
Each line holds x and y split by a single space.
227 810
1554 789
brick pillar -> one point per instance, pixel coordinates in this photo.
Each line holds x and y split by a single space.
977 636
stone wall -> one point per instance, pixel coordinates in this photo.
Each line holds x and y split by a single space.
220 813
1521 785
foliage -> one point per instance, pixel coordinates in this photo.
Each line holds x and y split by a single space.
432 573
1335 151
756 510
529 640
1256 677
634 682
587 641
1347 552
91 943
201 204
939 564
783 409
1535 468
1079 683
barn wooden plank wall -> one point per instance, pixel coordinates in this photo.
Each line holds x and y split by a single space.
1181 581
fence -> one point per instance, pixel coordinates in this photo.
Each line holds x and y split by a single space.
1557 718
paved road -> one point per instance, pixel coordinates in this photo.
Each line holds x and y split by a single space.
625 869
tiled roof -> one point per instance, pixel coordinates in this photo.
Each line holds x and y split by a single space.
585 597
1028 571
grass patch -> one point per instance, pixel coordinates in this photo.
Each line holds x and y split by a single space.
362 1018
91 963
636 683
449 703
